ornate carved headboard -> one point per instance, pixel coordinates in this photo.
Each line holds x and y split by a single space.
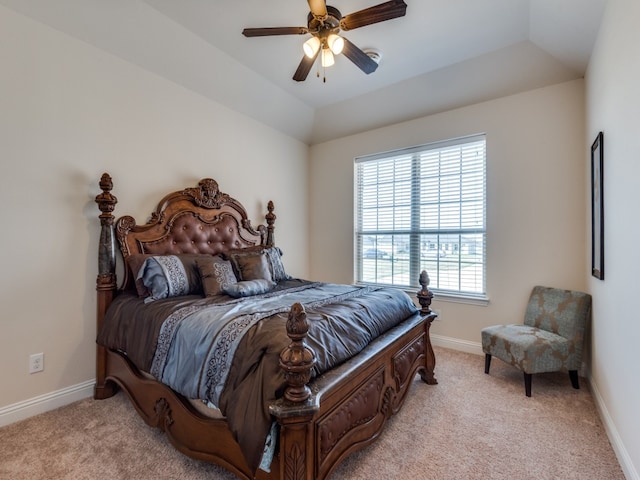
199 219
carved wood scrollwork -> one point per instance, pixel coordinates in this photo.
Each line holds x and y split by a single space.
106 282
388 400
295 463
207 194
123 226
162 419
361 408
404 361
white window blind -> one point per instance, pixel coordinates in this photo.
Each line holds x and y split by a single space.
423 208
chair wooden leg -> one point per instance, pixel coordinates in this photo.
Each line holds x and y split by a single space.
573 375
527 384
487 363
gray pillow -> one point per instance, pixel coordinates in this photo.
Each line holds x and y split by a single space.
164 276
274 254
137 264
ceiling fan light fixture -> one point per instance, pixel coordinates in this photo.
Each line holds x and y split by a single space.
324 23
327 58
311 47
336 43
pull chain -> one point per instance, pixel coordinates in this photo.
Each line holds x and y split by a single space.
324 69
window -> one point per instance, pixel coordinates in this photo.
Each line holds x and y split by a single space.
423 208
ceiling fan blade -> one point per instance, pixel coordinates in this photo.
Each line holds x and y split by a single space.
375 14
304 68
318 7
357 56
267 31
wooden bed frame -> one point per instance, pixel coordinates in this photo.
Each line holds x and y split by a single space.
322 421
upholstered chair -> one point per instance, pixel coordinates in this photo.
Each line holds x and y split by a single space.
550 340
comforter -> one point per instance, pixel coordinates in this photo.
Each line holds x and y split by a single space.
225 351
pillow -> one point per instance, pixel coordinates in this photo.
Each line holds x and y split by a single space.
247 288
134 263
274 254
164 276
216 274
240 257
253 267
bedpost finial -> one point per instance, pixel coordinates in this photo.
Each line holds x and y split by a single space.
106 183
425 295
297 360
105 200
271 219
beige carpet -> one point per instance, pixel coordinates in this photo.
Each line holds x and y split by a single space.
470 426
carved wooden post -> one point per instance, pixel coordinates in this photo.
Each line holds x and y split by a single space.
424 297
297 359
296 431
270 218
106 282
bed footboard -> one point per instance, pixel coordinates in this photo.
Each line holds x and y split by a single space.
345 409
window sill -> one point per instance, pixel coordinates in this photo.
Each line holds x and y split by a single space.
441 296
479 300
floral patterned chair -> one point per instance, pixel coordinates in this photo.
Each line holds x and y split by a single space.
550 340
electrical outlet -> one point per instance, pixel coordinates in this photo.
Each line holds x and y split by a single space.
36 362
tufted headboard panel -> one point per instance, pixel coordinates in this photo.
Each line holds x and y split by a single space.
194 234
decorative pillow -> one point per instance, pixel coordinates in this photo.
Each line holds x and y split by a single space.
243 258
247 288
216 275
163 276
134 263
253 267
274 254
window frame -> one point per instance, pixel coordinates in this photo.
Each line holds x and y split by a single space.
418 234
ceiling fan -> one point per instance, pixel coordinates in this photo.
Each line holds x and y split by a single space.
323 23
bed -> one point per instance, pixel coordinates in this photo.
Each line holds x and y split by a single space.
318 396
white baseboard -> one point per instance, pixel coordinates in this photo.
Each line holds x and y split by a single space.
44 403
457 344
621 452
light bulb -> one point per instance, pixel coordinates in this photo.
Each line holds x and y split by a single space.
327 58
311 47
336 43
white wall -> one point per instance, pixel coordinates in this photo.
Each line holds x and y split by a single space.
536 180
613 107
69 112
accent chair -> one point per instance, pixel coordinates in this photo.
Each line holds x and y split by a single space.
550 340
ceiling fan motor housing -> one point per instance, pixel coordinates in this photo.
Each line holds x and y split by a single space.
324 26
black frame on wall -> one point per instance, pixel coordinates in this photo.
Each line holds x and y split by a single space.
597 208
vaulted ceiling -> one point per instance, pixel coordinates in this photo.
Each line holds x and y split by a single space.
442 54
